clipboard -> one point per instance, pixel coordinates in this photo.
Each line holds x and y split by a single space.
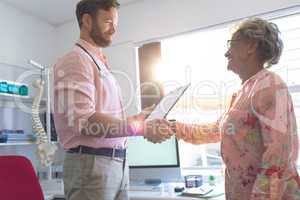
165 105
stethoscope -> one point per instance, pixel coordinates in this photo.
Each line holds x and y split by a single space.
88 53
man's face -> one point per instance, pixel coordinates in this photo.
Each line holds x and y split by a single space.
104 26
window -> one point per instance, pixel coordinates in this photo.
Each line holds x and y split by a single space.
198 58
289 66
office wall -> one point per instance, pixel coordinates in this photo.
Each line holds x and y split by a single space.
158 18
22 37
147 20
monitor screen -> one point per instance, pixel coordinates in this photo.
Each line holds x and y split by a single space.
150 162
142 153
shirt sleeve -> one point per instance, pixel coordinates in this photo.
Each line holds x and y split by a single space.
273 107
198 133
74 90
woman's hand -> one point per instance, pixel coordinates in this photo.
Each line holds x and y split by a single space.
157 130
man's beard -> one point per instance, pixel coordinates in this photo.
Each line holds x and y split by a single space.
97 36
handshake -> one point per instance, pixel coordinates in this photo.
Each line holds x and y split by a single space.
158 130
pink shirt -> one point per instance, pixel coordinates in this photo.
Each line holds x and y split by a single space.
80 90
259 142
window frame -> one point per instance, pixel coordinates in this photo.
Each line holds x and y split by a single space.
277 14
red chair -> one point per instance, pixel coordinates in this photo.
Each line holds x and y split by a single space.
18 180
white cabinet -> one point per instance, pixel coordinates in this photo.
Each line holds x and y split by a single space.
15 111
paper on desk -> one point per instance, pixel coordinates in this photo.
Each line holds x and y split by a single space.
203 192
167 103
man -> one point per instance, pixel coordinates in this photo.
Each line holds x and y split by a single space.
88 111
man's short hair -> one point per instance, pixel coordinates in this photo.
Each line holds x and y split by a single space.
92 6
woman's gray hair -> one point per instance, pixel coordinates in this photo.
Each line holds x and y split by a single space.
266 34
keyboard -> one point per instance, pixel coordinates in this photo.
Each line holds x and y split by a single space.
150 188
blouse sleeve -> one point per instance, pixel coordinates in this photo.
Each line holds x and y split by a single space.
198 133
273 107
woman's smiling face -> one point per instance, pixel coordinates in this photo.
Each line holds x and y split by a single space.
237 54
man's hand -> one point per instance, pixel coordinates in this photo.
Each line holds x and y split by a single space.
157 130
145 112
142 115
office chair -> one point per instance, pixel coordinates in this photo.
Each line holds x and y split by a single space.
18 180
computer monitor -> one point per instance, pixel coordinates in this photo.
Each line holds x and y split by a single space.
150 163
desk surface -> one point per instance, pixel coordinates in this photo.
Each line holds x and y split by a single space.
167 192
149 196
134 195
54 188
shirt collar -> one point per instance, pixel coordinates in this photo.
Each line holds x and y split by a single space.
255 76
94 50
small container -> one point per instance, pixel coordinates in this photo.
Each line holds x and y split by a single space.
3 87
12 89
211 180
193 181
3 138
23 90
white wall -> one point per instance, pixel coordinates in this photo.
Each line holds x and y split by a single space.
158 18
66 36
150 19
22 37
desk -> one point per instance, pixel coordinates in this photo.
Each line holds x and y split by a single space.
134 195
167 193
53 189
145 196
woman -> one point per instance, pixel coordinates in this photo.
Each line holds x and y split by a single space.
258 133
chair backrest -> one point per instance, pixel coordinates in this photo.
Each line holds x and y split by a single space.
18 180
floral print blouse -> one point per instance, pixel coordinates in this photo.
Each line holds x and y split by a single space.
259 143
